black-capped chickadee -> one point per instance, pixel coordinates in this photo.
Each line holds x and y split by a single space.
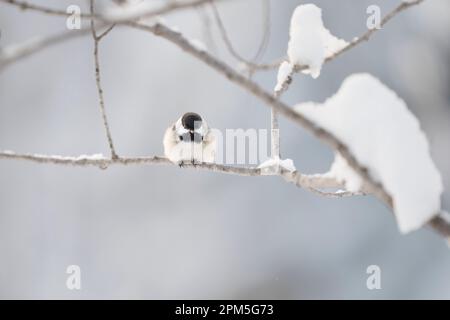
189 139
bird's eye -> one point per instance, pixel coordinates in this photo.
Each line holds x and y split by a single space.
181 138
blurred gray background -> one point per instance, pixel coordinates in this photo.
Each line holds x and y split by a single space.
161 232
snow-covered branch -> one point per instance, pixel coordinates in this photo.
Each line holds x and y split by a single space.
315 183
183 43
370 184
284 84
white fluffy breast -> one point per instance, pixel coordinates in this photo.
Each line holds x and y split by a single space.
177 151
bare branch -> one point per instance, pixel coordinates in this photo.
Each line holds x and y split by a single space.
207 33
224 34
441 224
275 129
14 53
227 41
252 68
24 5
105 33
98 80
266 31
168 7
366 36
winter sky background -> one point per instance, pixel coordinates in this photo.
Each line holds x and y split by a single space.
161 232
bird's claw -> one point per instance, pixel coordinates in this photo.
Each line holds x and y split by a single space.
182 164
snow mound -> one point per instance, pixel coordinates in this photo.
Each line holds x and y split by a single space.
273 165
386 138
310 42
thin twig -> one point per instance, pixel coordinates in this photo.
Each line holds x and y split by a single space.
207 33
105 33
24 5
366 36
226 39
275 134
275 130
13 53
268 66
168 7
98 82
266 32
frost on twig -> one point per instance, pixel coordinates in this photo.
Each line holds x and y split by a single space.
284 76
98 160
274 165
386 138
314 182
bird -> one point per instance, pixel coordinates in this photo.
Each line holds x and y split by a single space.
189 139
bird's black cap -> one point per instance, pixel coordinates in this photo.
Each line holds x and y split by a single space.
191 121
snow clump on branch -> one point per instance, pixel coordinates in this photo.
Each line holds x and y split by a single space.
384 137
